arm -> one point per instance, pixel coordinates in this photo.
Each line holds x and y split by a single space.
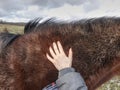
68 79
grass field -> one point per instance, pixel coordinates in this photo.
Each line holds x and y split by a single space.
113 84
12 28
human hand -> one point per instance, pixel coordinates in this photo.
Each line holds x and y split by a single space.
59 58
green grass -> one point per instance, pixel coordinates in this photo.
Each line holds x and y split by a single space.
12 28
113 84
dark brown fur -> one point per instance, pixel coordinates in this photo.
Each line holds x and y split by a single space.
96 54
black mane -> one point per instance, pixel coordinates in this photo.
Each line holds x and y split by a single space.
6 39
87 24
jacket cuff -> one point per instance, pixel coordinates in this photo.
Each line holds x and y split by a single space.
64 71
71 81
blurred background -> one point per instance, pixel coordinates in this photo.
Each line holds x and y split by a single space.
24 10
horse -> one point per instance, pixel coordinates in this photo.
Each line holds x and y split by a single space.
96 52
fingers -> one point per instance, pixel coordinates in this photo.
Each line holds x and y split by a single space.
49 58
52 52
58 56
60 47
70 54
55 48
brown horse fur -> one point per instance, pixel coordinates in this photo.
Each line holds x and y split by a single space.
96 53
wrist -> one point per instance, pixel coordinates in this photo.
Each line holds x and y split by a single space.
63 67
65 71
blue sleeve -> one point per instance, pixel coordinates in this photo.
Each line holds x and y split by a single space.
68 79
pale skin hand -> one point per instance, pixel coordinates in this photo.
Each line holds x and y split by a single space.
59 58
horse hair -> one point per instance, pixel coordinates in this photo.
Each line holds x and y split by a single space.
96 51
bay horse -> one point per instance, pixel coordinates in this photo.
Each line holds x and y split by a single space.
96 52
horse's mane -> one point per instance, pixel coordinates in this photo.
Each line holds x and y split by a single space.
87 25
6 39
